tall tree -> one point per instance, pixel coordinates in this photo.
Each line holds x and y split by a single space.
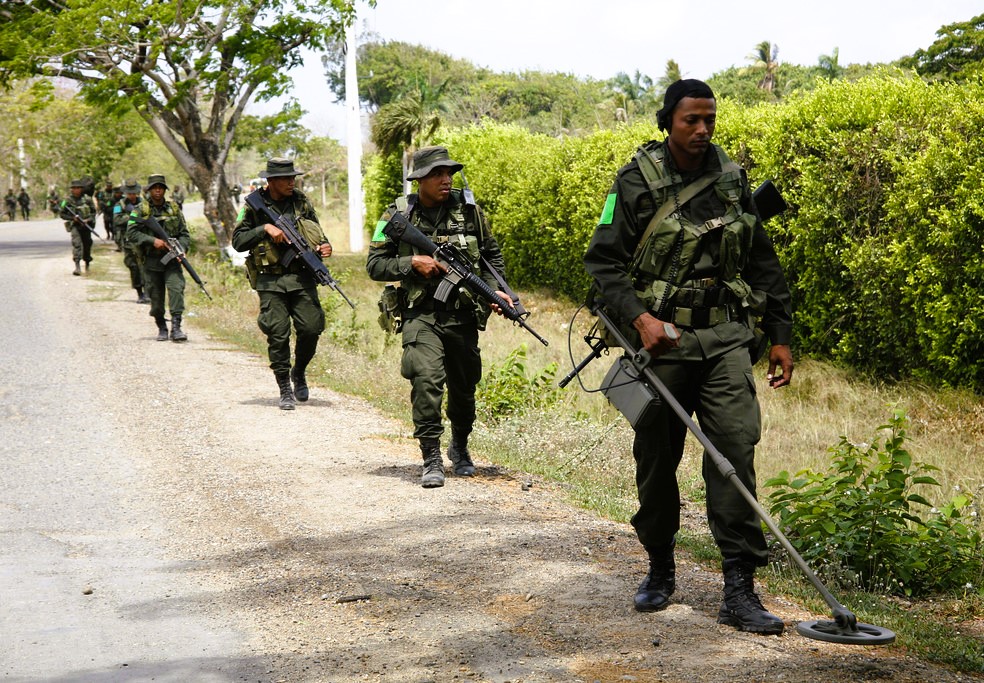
670 76
632 92
765 60
188 68
957 54
830 66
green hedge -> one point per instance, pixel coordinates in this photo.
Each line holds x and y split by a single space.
882 244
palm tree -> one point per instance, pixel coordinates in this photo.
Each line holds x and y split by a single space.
830 65
765 58
409 122
670 76
631 92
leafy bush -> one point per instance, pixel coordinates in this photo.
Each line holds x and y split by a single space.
860 523
508 389
881 244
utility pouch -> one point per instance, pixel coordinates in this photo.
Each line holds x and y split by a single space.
631 396
390 314
251 271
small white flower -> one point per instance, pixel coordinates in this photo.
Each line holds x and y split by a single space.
934 510
969 585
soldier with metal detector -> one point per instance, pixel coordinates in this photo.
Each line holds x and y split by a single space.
681 262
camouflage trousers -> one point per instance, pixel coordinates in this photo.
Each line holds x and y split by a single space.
171 281
81 244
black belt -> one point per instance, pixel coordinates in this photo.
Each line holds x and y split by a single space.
703 317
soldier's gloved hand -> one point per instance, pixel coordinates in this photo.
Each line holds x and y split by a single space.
426 266
657 336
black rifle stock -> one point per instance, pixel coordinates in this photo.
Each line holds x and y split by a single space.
459 271
299 248
81 221
174 251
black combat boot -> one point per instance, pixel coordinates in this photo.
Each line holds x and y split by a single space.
655 590
141 297
78 270
741 607
433 475
87 267
286 393
300 384
161 328
177 334
458 454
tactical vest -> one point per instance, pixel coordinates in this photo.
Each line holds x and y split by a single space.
265 256
461 229
168 215
663 263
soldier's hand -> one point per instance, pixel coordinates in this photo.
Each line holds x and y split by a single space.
426 266
657 336
780 356
498 309
275 233
324 249
159 243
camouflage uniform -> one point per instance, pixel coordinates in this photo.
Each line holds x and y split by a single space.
121 216
158 277
81 236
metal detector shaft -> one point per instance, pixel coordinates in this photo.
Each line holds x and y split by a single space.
844 617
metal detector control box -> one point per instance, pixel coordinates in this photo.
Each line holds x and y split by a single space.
629 393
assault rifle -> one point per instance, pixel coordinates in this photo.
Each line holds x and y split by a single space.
81 221
299 248
174 251
459 271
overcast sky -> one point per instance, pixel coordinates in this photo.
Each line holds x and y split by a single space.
599 39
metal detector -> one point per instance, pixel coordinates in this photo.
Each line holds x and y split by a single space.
845 628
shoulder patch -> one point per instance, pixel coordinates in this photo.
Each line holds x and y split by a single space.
242 212
608 212
378 235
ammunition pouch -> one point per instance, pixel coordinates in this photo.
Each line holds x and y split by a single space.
251 272
390 311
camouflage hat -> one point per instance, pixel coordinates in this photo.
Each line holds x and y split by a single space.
426 159
131 186
77 183
156 179
280 168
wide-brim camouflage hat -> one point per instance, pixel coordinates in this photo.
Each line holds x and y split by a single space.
156 179
426 159
280 168
131 186
77 183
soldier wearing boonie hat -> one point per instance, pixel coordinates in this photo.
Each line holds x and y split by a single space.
158 277
81 205
288 295
440 339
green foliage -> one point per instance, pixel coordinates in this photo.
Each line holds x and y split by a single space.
867 522
277 135
507 388
957 54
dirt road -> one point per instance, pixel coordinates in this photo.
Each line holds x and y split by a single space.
221 539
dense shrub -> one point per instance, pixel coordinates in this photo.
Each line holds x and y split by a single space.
882 244
866 522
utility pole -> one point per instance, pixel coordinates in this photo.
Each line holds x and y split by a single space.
354 141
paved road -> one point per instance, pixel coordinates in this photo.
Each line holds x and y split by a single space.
83 579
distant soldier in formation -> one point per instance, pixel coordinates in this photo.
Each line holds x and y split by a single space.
159 277
235 191
24 200
54 200
108 211
11 202
78 207
121 216
178 197
104 199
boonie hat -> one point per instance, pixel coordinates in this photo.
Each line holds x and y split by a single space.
157 179
280 168
77 183
131 186
426 159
